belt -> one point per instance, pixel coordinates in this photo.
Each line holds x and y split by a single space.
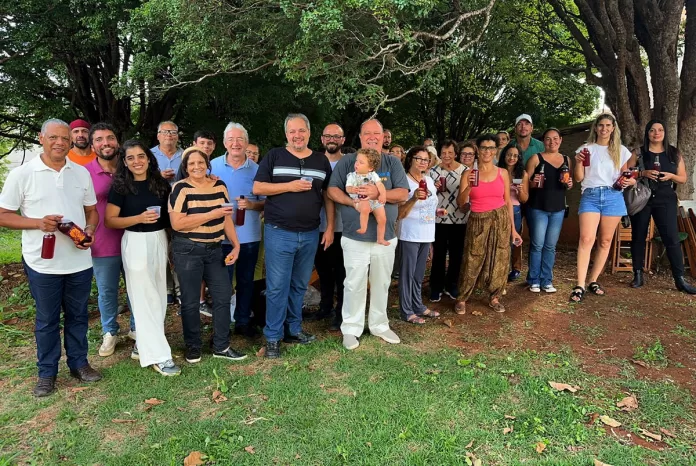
198 244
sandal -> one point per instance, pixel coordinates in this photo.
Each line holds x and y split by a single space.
430 313
496 306
577 295
414 319
596 288
460 308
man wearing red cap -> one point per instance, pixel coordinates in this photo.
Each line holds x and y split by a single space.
81 151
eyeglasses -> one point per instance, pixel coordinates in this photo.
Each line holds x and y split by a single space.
332 136
422 160
237 140
468 154
487 148
168 132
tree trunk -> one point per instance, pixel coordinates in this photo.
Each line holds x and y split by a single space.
687 102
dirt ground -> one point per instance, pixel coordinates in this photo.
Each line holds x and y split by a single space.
607 333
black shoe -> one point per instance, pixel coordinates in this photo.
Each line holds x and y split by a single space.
683 286
193 355
86 374
638 279
230 354
272 350
44 386
302 338
336 321
319 315
246 330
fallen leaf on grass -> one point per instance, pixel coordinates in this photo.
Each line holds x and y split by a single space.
667 433
470 444
628 404
448 322
122 421
540 447
512 418
599 463
218 397
507 430
261 352
563 386
11 321
609 421
78 389
153 401
250 449
593 418
472 460
640 363
476 313
647 433
195 458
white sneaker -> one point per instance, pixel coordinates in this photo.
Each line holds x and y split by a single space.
535 288
350 342
108 345
389 336
131 335
550 289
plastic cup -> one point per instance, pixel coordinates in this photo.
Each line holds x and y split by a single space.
227 204
307 178
517 181
156 209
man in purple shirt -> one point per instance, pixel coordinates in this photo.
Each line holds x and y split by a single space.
106 250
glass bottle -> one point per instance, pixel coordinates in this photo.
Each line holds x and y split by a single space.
74 232
239 215
542 178
475 172
48 246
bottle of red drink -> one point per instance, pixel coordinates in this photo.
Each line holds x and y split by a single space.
542 178
48 246
564 176
624 176
475 172
586 153
422 184
635 172
443 184
656 164
74 232
239 215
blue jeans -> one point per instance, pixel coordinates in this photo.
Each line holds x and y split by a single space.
107 272
246 266
603 200
289 262
52 293
544 230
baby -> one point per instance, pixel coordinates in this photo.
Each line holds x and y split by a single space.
365 164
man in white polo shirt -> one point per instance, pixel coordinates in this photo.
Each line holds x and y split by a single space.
47 191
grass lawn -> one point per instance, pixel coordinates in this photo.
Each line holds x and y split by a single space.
10 246
415 403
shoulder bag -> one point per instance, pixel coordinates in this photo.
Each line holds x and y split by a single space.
637 196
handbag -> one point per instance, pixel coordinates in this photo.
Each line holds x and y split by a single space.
638 195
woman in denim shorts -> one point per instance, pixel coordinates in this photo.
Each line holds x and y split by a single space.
601 206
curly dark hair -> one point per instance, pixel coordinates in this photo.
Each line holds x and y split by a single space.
518 169
412 152
123 178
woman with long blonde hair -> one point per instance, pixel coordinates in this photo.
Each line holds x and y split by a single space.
601 205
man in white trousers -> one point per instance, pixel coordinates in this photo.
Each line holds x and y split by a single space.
362 254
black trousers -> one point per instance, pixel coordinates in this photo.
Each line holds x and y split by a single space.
448 238
663 209
329 265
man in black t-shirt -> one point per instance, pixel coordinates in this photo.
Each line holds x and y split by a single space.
294 180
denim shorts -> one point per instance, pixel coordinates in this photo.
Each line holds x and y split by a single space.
603 200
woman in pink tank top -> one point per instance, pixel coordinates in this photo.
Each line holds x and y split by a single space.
489 231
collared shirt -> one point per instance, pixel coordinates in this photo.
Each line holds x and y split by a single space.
107 241
81 159
535 146
37 190
165 162
240 182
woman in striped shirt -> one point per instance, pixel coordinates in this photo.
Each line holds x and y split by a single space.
200 213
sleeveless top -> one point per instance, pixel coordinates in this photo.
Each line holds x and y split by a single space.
661 189
488 196
550 198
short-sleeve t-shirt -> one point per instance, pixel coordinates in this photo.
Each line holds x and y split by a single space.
419 225
294 211
136 204
535 146
392 175
356 180
602 171
188 199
